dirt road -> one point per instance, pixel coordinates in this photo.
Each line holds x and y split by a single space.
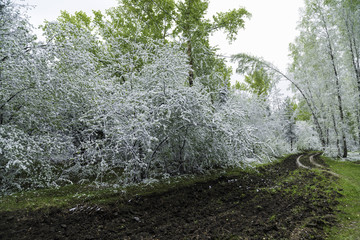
271 202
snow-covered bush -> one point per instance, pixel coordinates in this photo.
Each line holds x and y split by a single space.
78 109
308 138
27 161
153 124
267 126
44 90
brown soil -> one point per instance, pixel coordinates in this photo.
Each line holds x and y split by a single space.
265 204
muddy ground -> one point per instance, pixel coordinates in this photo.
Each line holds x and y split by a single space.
273 202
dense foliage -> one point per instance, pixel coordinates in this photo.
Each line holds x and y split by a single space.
326 66
135 94
325 74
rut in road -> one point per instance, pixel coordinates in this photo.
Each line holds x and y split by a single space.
312 163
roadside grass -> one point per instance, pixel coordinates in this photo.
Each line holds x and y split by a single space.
348 216
64 196
89 194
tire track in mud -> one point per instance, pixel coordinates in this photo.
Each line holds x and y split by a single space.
314 164
299 164
312 161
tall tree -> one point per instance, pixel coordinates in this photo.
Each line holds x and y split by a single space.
171 21
348 23
289 119
16 46
193 26
331 52
138 19
248 63
321 41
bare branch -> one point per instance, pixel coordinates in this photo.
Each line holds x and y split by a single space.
13 96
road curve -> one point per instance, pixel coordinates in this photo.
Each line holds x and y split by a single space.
315 164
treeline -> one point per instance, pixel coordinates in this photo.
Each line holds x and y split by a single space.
325 72
133 94
326 58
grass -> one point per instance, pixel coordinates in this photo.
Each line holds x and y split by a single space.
54 197
72 195
348 216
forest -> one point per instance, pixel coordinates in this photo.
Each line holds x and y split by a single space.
137 94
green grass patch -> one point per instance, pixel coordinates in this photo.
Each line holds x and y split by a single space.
348 216
72 195
54 197
88 194
76 194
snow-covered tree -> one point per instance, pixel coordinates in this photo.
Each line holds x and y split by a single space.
88 107
290 123
324 65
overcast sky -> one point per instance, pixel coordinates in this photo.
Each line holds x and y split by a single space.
267 34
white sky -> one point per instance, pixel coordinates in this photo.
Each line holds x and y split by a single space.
267 34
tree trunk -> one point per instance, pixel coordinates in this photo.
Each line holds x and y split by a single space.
358 119
337 84
338 93
355 60
191 62
337 136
